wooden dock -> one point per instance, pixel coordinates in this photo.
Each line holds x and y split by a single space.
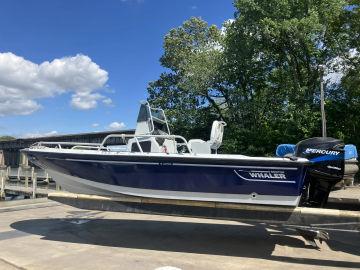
28 184
27 191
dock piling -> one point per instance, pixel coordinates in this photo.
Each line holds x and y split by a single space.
47 180
26 179
32 172
2 185
8 171
34 185
18 173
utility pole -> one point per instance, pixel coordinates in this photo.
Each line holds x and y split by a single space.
322 100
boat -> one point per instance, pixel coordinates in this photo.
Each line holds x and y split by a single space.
153 163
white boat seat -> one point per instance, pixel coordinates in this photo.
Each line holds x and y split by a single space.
201 147
216 135
198 146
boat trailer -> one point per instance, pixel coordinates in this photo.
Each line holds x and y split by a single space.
310 223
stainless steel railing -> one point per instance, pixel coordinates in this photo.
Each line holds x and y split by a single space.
102 146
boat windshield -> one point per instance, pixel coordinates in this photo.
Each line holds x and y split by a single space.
157 113
151 121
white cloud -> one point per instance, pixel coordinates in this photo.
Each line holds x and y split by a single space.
334 77
334 70
39 134
337 67
193 7
17 106
95 125
116 125
226 25
107 101
23 83
85 101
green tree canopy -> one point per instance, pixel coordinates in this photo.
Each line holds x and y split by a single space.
192 54
260 73
6 138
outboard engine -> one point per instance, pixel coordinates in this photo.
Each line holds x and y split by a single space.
326 156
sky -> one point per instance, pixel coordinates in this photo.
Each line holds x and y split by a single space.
83 66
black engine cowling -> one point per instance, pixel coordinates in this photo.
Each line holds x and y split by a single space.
326 156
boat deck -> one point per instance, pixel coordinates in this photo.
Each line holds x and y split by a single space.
39 234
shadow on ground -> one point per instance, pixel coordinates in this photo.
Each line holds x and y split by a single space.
252 241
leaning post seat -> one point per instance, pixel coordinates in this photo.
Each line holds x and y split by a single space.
216 135
199 146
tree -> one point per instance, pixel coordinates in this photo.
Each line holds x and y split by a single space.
344 103
6 138
260 73
273 51
192 53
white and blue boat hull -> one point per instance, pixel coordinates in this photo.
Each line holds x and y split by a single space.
218 178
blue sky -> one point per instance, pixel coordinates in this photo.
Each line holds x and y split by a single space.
122 38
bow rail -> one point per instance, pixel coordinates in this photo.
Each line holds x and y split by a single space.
103 147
